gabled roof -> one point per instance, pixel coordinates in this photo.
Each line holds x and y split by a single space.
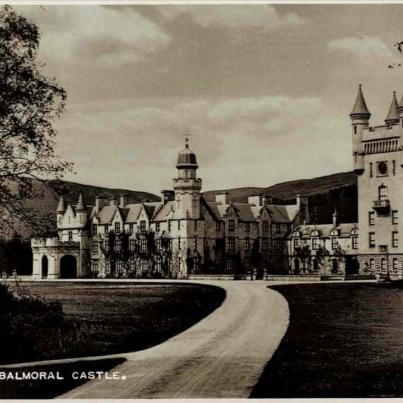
133 212
106 214
324 230
244 211
163 214
282 214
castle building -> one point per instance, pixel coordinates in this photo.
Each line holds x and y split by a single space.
373 245
182 235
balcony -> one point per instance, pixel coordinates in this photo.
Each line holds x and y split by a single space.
381 206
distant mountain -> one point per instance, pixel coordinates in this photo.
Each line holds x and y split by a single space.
43 208
325 195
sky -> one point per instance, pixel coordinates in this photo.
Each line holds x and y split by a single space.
264 90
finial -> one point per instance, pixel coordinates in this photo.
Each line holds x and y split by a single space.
187 136
359 86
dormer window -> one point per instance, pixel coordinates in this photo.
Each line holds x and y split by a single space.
117 227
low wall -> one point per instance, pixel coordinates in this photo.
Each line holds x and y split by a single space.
293 277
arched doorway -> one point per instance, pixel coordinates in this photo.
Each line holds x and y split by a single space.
44 266
68 267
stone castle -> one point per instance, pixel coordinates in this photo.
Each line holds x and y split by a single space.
185 235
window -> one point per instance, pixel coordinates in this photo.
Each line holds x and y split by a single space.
218 226
94 247
371 239
383 266
394 167
195 225
143 244
143 226
179 243
395 264
296 242
158 244
95 266
231 225
276 244
195 243
335 242
395 239
315 243
157 226
371 218
247 227
117 227
372 265
265 244
231 245
370 170
395 217
355 129
131 228
132 245
265 226
354 241
247 244
276 228
70 236
179 225
106 229
383 192
169 226
94 228
118 245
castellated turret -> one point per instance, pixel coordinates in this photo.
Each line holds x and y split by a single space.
360 120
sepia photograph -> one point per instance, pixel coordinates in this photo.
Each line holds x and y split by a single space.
201 201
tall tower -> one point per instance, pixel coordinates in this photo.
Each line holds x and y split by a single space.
360 120
186 185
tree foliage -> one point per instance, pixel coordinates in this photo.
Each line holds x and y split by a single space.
29 104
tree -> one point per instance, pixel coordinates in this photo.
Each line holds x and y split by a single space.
29 103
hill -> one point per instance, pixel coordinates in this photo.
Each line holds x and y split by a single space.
325 194
43 208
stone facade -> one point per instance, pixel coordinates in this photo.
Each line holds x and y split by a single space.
181 235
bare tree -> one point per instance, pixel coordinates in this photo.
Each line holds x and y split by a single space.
29 103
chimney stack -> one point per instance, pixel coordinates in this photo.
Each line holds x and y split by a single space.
122 200
334 217
222 198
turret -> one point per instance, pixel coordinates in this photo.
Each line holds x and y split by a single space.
81 211
61 208
393 115
360 120
187 186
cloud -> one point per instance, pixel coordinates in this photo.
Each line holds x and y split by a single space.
362 46
239 142
101 33
264 17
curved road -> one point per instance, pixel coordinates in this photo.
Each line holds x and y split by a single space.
221 356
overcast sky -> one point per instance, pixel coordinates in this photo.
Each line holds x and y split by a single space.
265 90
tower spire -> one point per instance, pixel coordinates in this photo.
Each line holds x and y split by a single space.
80 204
360 108
61 208
393 114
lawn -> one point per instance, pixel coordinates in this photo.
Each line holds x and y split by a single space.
344 340
115 318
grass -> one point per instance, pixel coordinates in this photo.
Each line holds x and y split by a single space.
117 318
111 318
344 341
